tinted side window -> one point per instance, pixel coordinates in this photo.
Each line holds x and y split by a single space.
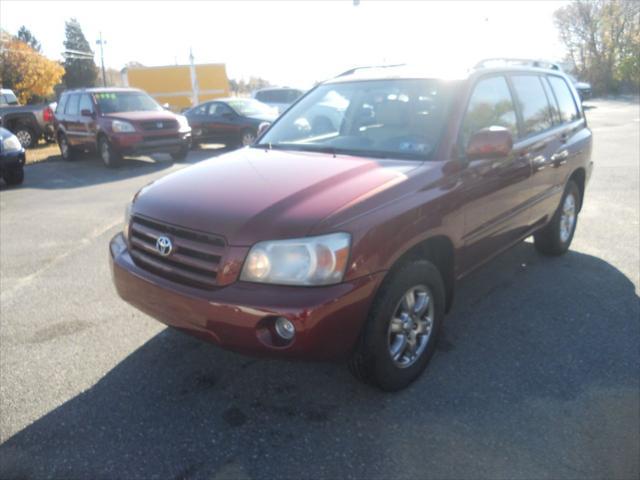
535 109
264 96
490 105
555 112
62 103
85 103
200 110
221 109
72 105
566 103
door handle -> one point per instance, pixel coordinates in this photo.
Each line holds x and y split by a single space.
560 158
539 162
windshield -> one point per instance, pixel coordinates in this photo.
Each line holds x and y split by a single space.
249 107
384 118
114 102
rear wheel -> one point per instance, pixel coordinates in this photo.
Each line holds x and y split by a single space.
401 331
15 176
67 151
26 136
109 156
555 238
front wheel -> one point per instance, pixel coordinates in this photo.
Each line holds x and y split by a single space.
109 156
402 329
15 176
555 238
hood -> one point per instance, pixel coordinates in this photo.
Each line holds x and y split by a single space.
141 116
253 194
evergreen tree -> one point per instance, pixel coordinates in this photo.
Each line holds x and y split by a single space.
80 72
25 35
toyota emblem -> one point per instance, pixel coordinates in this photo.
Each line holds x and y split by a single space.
164 246
159 125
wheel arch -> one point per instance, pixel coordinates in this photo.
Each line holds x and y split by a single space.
440 251
579 176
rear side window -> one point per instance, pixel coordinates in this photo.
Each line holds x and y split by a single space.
490 105
534 106
61 104
566 103
72 105
86 103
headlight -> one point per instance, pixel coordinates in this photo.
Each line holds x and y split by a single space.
122 127
127 221
183 123
304 261
11 144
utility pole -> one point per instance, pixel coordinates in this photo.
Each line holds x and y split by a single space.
101 43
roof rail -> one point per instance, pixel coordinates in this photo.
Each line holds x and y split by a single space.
355 69
528 62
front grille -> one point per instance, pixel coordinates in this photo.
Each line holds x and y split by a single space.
159 125
163 137
193 261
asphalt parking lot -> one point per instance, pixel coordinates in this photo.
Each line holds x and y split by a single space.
537 374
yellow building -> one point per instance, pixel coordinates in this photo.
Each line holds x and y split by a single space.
180 86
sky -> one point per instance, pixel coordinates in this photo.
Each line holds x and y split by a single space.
295 43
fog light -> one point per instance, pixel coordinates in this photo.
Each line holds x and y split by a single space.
284 328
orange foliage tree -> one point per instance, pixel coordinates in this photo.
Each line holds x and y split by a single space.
28 73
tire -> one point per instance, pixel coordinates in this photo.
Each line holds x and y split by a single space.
26 135
67 151
15 176
555 238
109 156
180 154
372 361
247 137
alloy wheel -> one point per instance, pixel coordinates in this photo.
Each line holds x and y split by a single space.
567 217
411 326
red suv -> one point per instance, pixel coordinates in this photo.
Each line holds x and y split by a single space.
342 232
116 122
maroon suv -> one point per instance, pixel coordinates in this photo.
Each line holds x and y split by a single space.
342 232
116 122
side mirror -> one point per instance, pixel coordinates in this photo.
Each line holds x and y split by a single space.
492 142
263 127
86 113
166 106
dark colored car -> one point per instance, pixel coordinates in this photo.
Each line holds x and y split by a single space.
583 88
28 122
232 121
12 158
342 234
117 122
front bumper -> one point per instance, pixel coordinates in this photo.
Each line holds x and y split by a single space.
11 160
138 144
240 316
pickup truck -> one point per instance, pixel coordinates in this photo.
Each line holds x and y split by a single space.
28 122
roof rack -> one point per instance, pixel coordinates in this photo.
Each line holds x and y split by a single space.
527 62
355 69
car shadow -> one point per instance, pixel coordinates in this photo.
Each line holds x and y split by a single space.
88 169
528 335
